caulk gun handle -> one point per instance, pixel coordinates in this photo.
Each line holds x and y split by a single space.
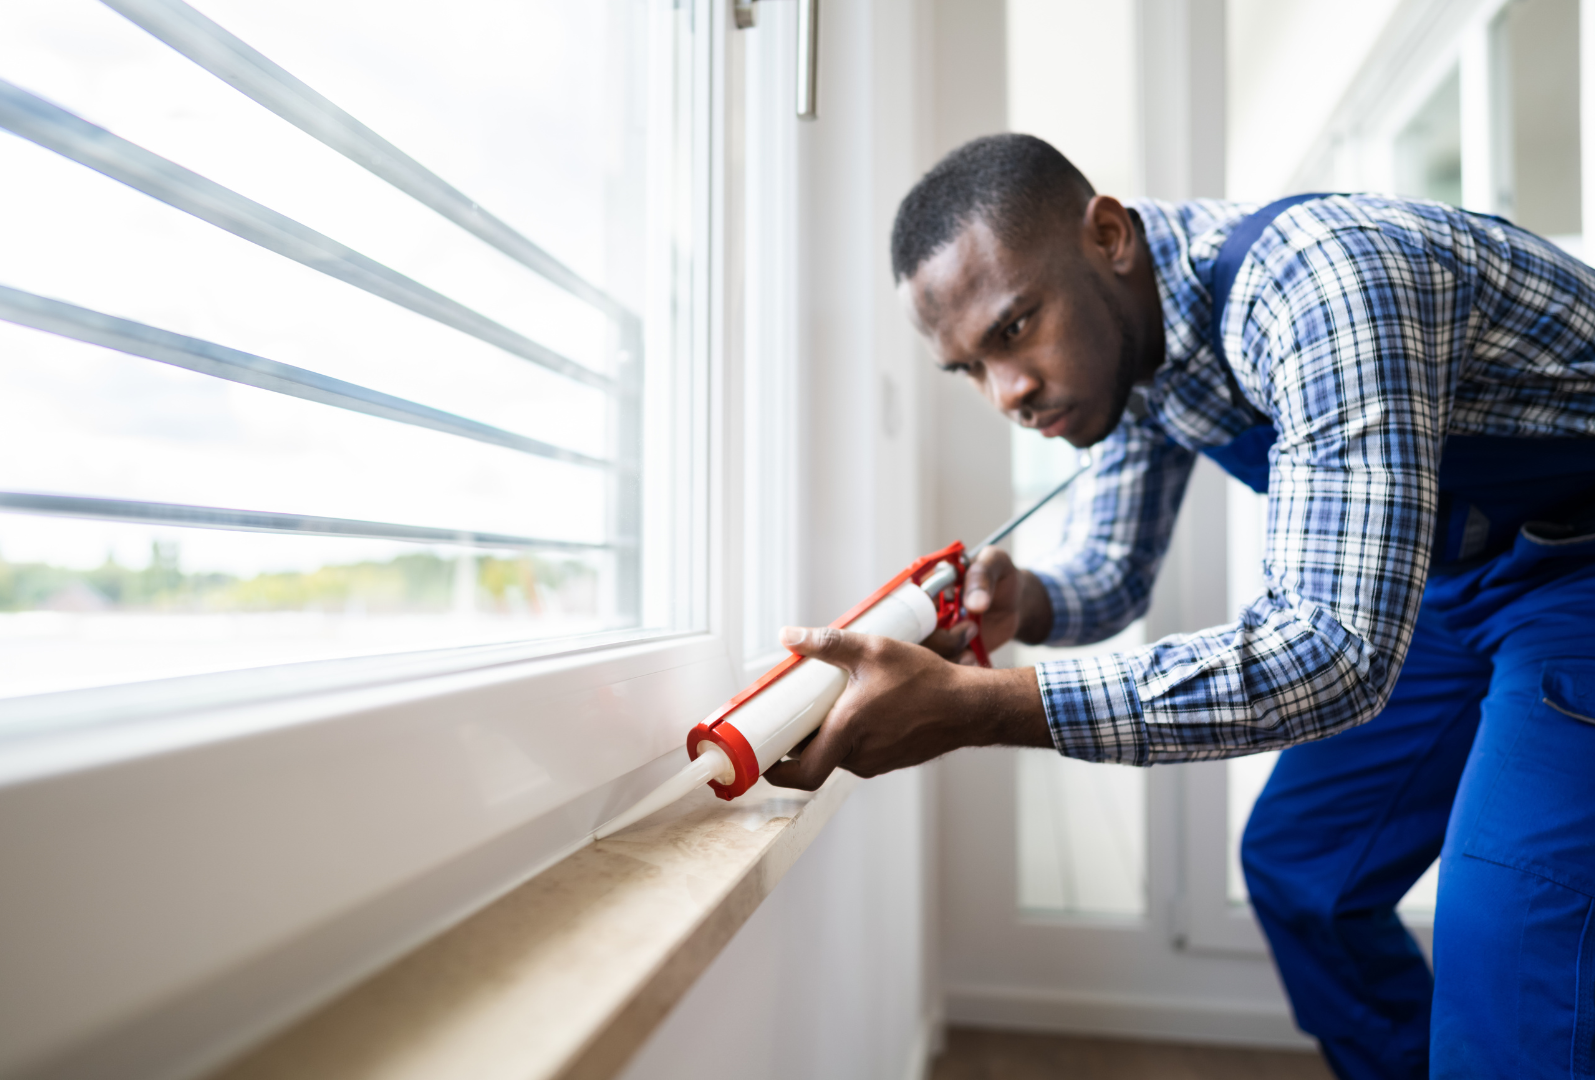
976 644
949 575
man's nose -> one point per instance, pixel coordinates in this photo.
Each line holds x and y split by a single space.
1012 385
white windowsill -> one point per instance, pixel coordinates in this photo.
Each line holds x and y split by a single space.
567 975
267 850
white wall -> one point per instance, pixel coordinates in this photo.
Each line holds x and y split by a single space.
824 980
1290 63
1071 81
966 442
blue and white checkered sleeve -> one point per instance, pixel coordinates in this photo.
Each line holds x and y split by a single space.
1340 330
1119 520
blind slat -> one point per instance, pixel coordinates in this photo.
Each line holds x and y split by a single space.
211 517
64 133
219 361
247 70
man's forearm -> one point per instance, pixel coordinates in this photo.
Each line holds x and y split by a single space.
904 705
1008 702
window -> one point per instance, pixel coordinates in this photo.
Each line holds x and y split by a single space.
1428 157
1499 130
331 329
1536 111
1081 827
366 346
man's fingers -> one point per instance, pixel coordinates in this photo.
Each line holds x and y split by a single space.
977 588
984 576
840 647
814 765
789 774
948 643
829 745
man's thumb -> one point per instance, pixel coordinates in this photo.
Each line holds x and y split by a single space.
823 643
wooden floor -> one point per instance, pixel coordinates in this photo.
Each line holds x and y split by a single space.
974 1054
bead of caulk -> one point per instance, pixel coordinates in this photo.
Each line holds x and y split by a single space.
712 763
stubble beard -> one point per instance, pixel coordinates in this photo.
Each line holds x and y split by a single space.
1127 365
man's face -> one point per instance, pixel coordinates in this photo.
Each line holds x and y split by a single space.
1054 336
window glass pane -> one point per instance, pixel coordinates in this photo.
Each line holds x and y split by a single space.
1536 57
1428 151
1247 775
103 602
100 245
77 418
539 109
496 456
1081 826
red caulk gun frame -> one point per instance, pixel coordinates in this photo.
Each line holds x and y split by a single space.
948 596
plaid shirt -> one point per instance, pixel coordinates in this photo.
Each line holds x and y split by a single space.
1367 328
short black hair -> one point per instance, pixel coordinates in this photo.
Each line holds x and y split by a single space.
1011 182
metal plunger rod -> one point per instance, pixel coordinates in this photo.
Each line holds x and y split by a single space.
1024 515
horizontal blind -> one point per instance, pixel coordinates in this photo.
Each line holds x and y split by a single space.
407 367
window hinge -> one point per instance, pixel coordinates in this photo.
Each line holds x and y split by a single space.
745 13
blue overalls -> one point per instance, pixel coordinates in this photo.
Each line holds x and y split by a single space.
1484 756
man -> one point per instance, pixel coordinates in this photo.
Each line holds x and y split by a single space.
1415 385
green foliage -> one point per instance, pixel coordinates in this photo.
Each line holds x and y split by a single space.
418 582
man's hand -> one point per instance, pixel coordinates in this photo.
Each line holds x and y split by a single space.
904 704
1012 603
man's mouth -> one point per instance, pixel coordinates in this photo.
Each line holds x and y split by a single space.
1053 424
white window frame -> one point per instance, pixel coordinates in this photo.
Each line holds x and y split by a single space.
193 863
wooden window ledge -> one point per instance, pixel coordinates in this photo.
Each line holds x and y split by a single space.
567 975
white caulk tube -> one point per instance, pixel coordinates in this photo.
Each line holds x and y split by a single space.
758 727
790 709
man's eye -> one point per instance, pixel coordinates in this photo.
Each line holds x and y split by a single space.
1015 328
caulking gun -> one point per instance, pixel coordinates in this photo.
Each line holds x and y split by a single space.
760 726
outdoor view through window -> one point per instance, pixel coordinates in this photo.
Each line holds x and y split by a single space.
330 329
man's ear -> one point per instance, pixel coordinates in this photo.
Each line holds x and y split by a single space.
910 302
1107 228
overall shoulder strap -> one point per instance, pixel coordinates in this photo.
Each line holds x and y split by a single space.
1228 265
